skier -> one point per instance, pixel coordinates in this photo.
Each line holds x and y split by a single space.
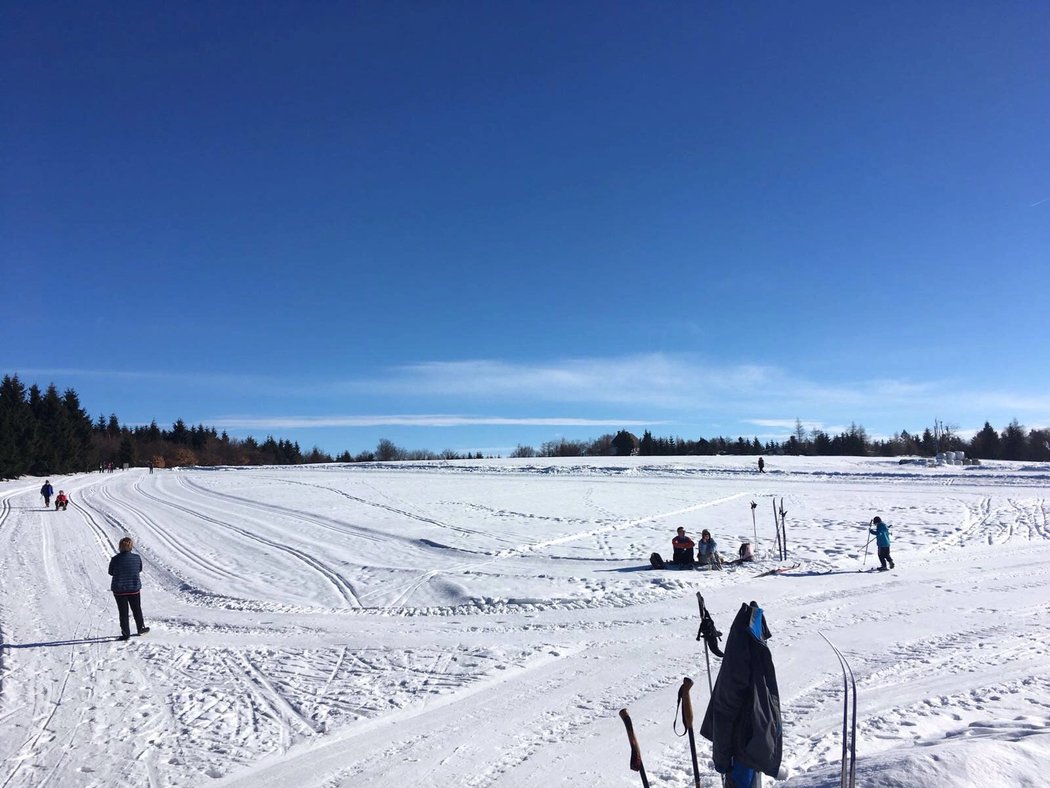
882 541
707 550
682 546
61 501
125 568
761 465
47 491
743 720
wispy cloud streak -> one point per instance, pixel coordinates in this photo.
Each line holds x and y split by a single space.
415 421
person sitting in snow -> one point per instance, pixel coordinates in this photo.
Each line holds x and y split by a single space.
745 553
882 541
61 501
707 550
682 546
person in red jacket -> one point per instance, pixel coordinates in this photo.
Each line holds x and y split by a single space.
61 501
683 548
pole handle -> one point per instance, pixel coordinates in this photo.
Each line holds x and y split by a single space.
687 703
636 753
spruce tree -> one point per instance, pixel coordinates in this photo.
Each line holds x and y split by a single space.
16 428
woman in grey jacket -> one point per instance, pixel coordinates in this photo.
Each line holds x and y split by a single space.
125 568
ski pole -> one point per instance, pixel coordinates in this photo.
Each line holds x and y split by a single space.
687 721
776 525
754 524
866 548
783 527
636 753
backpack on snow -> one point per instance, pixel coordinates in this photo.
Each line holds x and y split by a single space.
656 562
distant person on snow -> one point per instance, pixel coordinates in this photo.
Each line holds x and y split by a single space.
682 546
761 465
882 542
125 568
707 550
47 491
61 501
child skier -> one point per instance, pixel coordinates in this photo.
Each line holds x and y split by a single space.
61 501
882 541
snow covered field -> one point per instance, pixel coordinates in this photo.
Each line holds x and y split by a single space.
481 623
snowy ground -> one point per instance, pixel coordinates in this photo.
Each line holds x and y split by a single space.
482 623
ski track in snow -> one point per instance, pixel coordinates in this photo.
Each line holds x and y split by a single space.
481 624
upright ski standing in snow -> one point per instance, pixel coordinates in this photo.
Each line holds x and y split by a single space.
848 777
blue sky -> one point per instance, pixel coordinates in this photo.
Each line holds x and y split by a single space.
471 225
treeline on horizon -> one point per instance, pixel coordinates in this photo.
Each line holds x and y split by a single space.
44 432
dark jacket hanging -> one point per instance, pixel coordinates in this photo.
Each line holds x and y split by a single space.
743 718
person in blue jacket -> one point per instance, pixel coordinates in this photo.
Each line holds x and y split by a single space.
47 491
125 568
882 542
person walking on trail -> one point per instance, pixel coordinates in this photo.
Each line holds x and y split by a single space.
761 465
125 568
882 542
682 546
61 501
707 550
47 491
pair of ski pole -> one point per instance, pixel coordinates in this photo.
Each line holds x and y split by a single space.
685 703
710 635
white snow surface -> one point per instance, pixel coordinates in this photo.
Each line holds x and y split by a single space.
481 623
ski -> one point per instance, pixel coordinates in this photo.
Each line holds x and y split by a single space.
779 570
783 528
776 525
847 777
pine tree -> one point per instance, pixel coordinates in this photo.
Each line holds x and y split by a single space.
985 444
1013 443
16 428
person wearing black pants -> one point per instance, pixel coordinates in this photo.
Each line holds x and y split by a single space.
125 568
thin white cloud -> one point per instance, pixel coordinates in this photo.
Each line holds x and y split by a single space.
653 388
649 380
785 424
417 420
